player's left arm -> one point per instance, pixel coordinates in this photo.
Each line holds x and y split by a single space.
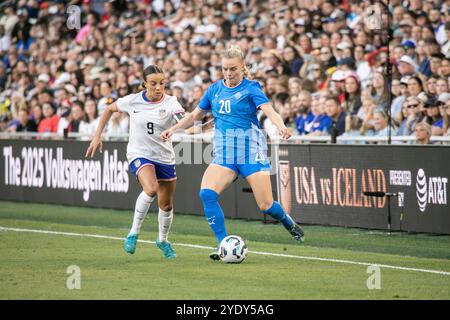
178 115
276 119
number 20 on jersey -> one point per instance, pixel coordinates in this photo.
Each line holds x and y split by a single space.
225 106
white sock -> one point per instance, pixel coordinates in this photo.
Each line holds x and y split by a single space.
143 203
165 221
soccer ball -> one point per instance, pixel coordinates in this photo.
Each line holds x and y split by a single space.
233 249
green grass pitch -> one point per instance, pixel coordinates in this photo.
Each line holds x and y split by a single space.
331 264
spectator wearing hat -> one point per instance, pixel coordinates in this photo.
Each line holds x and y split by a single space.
346 64
20 34
410 48
340 52
299 29
406 66
432 114
337 84
329 24
406 28
435 62
256 60
438 126
422 132
42 82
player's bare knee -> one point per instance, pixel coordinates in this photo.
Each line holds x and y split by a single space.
151 191
166 207
265 205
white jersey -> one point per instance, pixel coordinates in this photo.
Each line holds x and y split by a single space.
147 121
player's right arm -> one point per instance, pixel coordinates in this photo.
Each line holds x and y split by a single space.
186 122
96 142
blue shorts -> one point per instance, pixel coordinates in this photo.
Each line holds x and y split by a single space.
246 168
164 172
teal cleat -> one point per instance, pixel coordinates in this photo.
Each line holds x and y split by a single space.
129 245
166 248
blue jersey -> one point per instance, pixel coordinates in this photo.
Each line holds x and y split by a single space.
237 134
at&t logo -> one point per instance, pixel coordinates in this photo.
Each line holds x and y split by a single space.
430 191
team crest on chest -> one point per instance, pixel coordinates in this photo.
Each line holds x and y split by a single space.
162 113
238 95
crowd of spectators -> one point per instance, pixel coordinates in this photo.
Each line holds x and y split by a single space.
322 63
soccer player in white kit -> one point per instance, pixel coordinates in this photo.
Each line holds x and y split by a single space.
151 160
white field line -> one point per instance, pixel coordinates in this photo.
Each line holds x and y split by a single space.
445 273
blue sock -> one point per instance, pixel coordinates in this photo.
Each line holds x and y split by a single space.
213 213
277 212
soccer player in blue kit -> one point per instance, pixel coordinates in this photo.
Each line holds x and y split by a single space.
239 146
